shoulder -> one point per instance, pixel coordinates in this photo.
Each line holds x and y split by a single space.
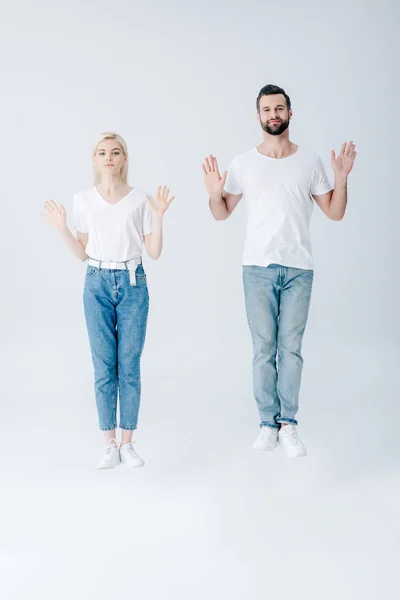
139 194
240 160
311 158
80 197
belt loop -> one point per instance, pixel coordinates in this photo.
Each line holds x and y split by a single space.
99 267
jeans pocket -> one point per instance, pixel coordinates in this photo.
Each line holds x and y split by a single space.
90 271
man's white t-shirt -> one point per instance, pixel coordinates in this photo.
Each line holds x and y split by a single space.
115 231
279 205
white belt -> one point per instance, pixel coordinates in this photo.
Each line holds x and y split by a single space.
126 265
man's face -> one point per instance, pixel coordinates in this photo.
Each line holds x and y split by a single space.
273 114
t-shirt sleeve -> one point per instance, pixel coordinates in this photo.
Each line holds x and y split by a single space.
320 183
147 218
233 183
79 218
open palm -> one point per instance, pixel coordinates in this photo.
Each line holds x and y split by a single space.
212 179
161 201
55 215
343 163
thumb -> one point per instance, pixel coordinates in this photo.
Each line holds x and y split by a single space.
224 175
149 200
333 156
62 208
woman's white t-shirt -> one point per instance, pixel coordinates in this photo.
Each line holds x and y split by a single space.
116 231
278 195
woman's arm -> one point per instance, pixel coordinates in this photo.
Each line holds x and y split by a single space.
57 217
154 240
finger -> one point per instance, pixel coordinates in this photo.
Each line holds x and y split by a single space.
212 158
170 200
62 209
166 194
215 165
343 148
333 155
48 206
149 200
55 207
354 155
208 166
349 147
224 176
204 169
158 191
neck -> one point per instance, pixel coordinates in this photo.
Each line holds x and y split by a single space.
109 184
277 146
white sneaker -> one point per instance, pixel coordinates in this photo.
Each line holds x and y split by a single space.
267 440
129 456
110 457
290 442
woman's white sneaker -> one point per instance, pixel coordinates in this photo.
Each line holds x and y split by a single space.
267 440
290 442
129 456
110 458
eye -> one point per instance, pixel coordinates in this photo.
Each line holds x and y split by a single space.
117 153
101 153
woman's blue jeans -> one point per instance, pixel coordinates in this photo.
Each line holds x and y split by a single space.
116 318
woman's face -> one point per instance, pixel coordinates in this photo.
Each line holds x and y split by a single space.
109 157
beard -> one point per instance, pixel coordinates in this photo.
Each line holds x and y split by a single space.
275 129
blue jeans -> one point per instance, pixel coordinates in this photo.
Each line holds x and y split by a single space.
277 302
116 318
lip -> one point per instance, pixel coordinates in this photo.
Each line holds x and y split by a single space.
273 122
109 165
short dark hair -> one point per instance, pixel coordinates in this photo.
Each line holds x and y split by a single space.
269 90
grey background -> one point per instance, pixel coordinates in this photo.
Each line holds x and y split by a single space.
207 517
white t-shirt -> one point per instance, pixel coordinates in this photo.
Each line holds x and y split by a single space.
115 230
279 205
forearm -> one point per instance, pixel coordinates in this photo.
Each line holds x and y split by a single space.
74 244
155 245
218 208
337 206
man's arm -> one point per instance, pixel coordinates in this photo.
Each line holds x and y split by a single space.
334 202
221 203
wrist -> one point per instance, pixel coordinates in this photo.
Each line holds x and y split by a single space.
215 197
156 217
340 179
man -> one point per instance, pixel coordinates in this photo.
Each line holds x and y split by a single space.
279 181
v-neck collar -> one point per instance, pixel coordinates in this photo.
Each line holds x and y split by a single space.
109 203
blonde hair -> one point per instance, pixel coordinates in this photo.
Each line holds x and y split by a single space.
109 135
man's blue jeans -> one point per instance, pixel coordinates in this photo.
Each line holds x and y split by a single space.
116 318
277 303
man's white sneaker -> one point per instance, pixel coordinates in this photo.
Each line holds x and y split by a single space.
267 440
110 457
290 442
129 456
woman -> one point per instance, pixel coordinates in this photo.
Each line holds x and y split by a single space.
111 221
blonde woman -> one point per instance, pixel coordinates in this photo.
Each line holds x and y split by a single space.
111 222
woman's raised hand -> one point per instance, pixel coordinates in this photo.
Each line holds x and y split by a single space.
55 215
161 201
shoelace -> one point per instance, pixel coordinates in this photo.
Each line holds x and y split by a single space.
292 435
267 432
112 444
129 448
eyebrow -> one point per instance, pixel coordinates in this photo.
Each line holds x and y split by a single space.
103 149
277 106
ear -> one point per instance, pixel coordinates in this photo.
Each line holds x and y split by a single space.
290 113
258 116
